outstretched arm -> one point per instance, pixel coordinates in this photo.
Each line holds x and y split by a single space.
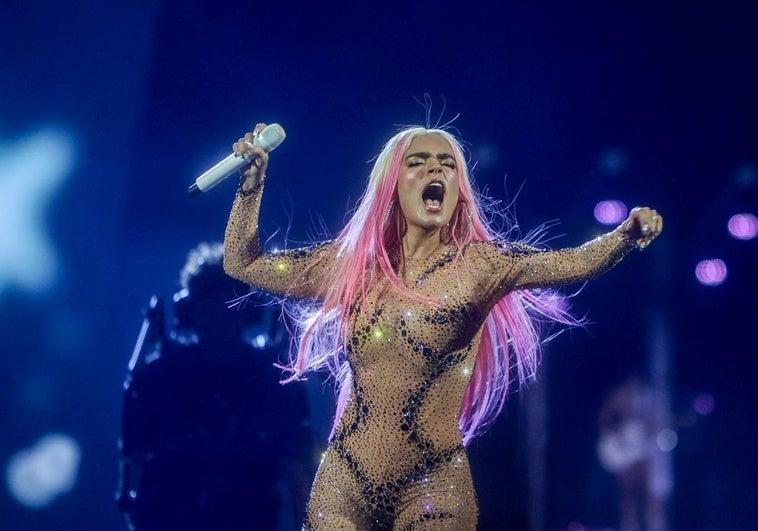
298 272
512 267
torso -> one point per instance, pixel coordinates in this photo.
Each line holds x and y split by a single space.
411 364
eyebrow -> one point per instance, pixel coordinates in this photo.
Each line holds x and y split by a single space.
426 155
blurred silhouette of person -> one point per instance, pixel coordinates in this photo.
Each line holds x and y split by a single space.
210 439
627 448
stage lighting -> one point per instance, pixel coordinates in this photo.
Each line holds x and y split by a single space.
36 476
32 169
743 226
711 272
611 212
613 161
667 439
704 404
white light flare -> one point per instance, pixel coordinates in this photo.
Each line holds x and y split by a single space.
36 476
31 172
667 439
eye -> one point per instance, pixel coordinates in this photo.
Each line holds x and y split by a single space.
449 164
415 162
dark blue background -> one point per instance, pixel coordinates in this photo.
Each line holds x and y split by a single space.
154 92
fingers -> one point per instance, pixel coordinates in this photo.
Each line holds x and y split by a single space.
245 147
256 157
643 225
658 220
247 142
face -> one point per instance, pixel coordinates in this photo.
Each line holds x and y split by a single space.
427 186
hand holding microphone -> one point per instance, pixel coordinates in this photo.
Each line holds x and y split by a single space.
252 151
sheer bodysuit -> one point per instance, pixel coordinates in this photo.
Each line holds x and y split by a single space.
396 460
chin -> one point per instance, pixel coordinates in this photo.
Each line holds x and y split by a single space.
434 224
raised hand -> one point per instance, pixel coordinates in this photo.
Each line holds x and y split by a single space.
252 174
643 225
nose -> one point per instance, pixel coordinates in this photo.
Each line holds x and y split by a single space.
433 165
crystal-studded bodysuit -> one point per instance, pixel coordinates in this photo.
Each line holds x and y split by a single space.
396 460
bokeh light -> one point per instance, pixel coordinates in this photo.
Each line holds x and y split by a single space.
667 439
743 226
711 272
704 404
29 180
36 476
613 161
611 212
746 175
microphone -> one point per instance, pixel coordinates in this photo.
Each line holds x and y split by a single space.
268 139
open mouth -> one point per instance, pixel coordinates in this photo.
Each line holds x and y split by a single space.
433 195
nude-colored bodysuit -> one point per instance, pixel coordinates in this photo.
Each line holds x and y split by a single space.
397 460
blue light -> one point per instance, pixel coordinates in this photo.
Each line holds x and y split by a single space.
36 476
32 170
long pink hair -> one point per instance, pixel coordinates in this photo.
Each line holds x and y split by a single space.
511 337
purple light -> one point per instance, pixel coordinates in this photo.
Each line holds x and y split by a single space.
743 226
711 272
704 404
610 212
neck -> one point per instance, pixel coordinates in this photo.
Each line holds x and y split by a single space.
419 244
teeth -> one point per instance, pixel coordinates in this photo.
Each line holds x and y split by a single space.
437 187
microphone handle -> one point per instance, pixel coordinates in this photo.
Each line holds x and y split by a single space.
216 174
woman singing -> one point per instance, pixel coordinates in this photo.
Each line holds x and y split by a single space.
423 314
